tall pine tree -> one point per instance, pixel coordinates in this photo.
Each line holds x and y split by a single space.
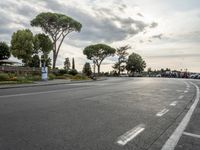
73 64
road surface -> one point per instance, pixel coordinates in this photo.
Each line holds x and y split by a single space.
115 114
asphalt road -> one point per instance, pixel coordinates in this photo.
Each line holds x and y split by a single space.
115 114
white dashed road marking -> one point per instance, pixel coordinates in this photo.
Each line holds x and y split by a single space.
131 134
180 97
176 135
191 134
185 91
173 103
162 112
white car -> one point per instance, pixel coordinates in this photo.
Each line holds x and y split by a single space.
195 76
123 75
158 75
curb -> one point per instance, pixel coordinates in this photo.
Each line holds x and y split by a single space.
35 84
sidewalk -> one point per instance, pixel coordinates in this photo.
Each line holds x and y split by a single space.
46 83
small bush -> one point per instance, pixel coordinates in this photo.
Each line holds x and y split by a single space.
21 78
51 76
62 71
68 75
4 77
60 77
73 72
79 77
14 78
12 75
37 78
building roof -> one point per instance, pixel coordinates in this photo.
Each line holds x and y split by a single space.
6 61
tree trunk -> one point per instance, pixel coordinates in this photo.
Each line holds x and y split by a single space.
119 71
54 59
54 55
98 67
94 68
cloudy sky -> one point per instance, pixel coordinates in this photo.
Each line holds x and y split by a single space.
166 33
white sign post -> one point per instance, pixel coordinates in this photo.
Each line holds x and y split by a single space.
44 73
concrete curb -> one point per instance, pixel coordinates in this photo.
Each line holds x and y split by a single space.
47 84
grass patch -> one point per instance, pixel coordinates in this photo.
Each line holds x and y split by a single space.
14 82
80 77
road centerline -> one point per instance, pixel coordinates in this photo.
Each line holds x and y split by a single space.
174 103
131 134
180 97
162 112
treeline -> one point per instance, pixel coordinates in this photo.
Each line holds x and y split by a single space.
34 50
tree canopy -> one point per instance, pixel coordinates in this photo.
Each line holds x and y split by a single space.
58 26
22 45
67 64
43 44
35 61
98 53
87 69
4 51
26 46
135 63
122 53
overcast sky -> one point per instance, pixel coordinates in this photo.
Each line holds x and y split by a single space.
166 33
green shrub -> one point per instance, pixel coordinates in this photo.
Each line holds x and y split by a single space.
79 77
4 77
60 77
12 75
68 75
37 78
51 76
21 78
62 71
73 72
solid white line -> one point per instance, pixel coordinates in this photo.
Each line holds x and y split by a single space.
131 134
180 97
173 103
191 134
174 138
33 93
162 112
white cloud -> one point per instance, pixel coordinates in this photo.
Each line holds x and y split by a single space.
117 23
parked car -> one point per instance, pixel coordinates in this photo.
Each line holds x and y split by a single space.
195 76
192 76
198 77
158 75
123 75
